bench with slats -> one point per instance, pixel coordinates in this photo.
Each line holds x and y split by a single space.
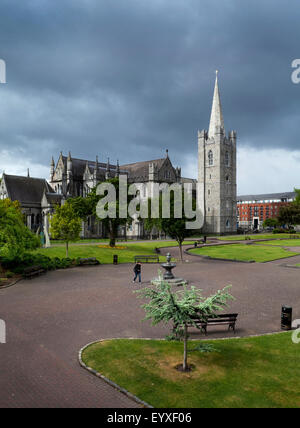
222 319
33 271
143 259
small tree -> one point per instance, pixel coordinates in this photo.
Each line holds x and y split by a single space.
65 225
181 307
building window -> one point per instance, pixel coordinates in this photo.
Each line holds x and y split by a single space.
208 192
227 223
227 160
210 158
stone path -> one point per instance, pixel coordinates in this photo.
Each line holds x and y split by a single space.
51 317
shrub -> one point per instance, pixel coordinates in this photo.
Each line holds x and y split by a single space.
9 274
18 264
281 230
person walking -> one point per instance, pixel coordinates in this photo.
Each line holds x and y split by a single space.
138 272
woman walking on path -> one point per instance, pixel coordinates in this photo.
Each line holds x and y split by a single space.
138 272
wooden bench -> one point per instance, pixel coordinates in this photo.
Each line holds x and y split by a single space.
222 319
32 271
89 261
143 259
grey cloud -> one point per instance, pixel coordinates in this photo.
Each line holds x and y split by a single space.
130 79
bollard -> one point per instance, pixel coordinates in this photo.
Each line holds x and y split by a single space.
115 259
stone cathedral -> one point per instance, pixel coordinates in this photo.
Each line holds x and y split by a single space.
71 177
217 172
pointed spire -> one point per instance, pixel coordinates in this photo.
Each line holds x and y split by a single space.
52 162
216 124
69 157
167 153
28 173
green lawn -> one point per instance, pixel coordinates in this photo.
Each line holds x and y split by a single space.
258 253
253 372
284 243
81 241
254 236
105 255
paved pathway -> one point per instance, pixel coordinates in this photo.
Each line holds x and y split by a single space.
51 317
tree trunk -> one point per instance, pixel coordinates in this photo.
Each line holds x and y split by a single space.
112 241
180 249
67 249
185 339
112 235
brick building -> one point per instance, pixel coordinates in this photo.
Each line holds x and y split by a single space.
252 210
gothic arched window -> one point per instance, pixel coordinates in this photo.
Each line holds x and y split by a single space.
227 159
210 158
227 223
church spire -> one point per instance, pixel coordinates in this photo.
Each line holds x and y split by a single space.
216 125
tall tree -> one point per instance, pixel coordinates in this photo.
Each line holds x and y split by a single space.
173 227
297 197
87 206
270 222
289 215
15 237
181 307
66 225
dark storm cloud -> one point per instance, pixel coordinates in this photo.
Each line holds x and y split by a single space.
127 79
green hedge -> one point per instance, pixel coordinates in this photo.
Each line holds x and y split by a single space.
18 264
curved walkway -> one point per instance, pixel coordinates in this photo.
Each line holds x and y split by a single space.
51 317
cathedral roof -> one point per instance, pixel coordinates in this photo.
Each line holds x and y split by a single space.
79 166
26 189
140 170
53 198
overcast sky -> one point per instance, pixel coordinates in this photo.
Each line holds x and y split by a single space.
130 78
